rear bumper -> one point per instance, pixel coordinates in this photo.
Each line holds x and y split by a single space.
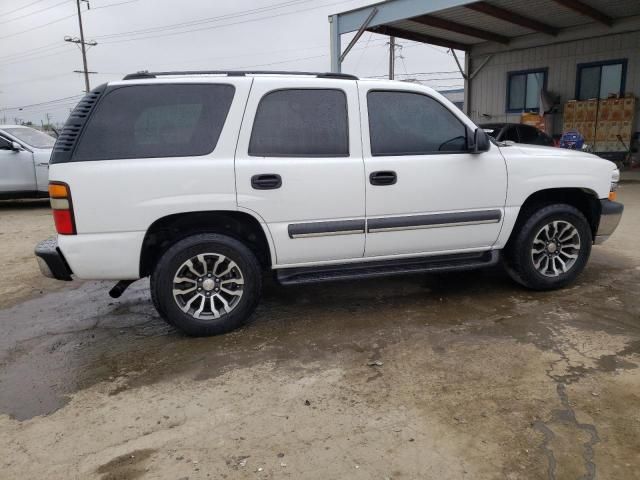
611 213
51 261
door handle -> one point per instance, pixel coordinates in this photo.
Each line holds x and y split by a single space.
384 177
266 181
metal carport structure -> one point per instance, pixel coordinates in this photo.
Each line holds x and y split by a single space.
509 32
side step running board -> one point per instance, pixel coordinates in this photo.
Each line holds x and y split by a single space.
349 271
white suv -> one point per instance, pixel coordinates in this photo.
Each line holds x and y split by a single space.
203 180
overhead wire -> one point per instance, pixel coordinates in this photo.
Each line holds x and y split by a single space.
169 34
204 20
35 13
21 8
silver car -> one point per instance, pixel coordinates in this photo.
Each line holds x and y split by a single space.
24 162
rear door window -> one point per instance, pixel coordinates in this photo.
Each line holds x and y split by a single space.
301 123
143 121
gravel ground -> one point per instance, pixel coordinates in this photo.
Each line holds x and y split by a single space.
429 376
24 223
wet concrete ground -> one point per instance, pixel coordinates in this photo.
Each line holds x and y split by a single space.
478 379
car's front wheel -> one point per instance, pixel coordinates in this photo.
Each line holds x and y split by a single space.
551 248
206 284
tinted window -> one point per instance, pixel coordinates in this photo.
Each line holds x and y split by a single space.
405 123
156 121
301 123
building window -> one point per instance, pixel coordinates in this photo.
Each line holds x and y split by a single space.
601 79
523 90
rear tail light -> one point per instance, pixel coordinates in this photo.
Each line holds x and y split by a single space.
60 197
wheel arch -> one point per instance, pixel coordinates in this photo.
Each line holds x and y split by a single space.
166 231
584 199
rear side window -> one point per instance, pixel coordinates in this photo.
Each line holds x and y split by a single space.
143 121
301 123
406 123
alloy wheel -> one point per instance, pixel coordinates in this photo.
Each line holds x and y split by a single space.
208 286
555 248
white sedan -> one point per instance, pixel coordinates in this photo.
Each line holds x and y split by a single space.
24 162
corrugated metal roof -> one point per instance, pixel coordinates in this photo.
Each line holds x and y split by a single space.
435 32
475 19
548 12
545 11
616 8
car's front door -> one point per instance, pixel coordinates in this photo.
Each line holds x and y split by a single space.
426 193
299 168
17 172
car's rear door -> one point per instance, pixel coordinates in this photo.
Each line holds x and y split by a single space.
299 167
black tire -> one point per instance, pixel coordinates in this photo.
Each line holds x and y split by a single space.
173 260
518 254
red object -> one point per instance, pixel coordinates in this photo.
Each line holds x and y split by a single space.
64 222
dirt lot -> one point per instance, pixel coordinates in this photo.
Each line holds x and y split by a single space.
23 224
477 379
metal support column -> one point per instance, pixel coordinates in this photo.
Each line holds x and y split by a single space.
334 43
468 79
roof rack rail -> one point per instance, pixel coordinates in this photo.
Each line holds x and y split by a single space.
237 73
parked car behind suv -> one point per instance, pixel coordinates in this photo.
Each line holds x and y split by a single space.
204 181
24 162
517 132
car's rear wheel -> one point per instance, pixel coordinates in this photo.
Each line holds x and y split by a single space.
206 284
551 248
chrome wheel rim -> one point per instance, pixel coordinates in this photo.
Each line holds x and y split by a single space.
556 248
208 286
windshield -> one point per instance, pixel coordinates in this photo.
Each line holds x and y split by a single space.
31 137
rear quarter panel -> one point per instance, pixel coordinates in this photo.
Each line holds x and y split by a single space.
115 201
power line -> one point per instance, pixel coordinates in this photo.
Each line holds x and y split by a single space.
42 103
418 73
21 8
37 57
58 20
205 20
363 50
36 12
223 25
114 4
38 26
36 79
31 50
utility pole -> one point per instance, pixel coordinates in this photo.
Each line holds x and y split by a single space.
392 57
83 46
